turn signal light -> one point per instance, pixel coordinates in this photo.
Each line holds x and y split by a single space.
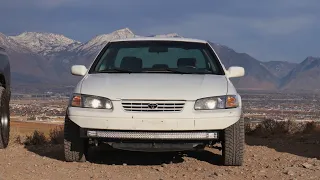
76 101
231 102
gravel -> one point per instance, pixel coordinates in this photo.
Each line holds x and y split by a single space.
262 161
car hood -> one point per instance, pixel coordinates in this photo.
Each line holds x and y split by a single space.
154 86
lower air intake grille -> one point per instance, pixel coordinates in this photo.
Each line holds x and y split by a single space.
153 135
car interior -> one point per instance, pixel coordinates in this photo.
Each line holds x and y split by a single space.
135 64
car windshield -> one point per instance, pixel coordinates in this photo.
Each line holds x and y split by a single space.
157 57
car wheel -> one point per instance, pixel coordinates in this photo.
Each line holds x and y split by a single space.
74 145
233 144
5 119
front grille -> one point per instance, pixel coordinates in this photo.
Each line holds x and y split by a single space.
153 105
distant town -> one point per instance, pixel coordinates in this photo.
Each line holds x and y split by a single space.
257 106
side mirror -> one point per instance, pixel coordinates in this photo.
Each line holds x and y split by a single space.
78 70
235 71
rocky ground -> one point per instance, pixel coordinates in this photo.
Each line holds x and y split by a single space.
276 158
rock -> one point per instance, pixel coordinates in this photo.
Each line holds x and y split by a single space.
289 172
159 169
311 160
164 165
263 171
277 159
307 165
199 169
124 164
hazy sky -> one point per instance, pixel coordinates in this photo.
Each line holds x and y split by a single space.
268 30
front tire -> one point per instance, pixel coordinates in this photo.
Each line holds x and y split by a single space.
4 119
233 144
74 145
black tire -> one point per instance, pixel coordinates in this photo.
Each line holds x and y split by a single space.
233 144
4 119
74 145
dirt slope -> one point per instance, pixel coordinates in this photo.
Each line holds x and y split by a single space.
264 159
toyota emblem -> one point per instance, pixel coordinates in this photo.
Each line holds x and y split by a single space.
152 106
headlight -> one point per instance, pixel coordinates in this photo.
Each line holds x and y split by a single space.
219 102
88 101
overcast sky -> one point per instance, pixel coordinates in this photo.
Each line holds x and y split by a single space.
286 30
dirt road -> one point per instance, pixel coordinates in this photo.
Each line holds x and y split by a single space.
264 159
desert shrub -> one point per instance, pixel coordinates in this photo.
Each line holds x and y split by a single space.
16 137
37 138
56 135
19 140
248 128
311 127
271 127
294 127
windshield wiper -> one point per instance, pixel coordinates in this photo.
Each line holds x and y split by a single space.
177 71
115 70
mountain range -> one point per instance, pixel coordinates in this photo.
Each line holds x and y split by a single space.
42 61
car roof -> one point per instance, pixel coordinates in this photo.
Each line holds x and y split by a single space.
160 39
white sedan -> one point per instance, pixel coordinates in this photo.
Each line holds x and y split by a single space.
155 94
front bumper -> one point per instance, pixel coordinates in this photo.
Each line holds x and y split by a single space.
186 120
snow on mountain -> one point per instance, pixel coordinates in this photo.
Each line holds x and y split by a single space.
98 42
167 35
45 43
11 45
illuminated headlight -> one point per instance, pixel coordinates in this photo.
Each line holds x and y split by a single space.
219 102
88 101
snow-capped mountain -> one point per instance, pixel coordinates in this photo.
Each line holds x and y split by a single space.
167 35
11 45
45 43
26 66
94 45
44 60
